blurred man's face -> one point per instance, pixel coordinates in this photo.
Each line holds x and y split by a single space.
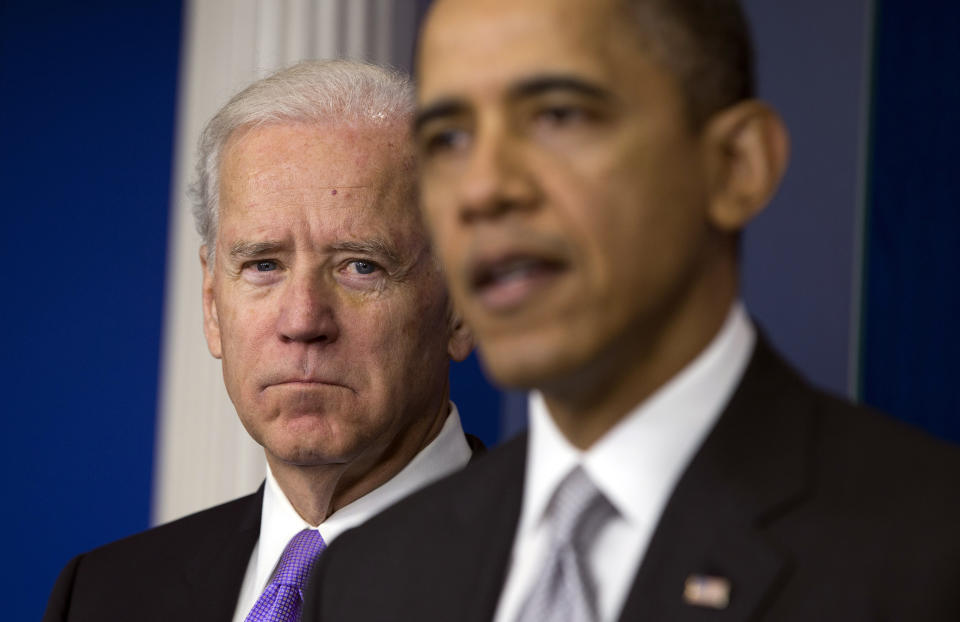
324 301
564 189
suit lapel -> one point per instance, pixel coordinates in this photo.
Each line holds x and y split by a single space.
216 571
491 512
751 469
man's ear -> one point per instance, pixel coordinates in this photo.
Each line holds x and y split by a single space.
211 321
460 344
747 150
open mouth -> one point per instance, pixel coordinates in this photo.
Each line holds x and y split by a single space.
508 282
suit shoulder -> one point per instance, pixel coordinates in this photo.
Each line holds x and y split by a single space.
852 431
150 569
425 516
428 539
874 465
170 539
868 434
853 439
498 464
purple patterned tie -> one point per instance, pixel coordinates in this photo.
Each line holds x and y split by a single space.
283 596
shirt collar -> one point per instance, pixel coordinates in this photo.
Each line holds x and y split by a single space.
279 521
638 462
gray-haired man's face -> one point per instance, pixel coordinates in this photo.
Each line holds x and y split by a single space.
323 301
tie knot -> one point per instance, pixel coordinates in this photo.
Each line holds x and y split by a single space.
302 550
577 508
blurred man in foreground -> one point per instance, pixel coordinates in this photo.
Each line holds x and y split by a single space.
329 312
587 167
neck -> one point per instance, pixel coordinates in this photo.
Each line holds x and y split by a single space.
586 404
317 491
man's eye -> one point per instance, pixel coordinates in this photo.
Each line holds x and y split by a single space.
262 271
364 267
444 140
561 115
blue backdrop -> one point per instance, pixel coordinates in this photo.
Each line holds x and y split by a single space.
911 332
87 100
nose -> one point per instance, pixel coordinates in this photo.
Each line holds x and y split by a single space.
307 311
498 180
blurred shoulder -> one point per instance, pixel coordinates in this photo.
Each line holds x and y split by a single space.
428 512
888 466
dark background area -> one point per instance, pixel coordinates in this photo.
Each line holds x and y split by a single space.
911 333
87 103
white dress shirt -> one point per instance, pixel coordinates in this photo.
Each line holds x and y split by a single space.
279 521
635 465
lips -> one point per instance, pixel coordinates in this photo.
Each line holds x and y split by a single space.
304 382
509 280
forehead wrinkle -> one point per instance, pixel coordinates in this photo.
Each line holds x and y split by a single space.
383 221
285 180
319 198
274 157
381 200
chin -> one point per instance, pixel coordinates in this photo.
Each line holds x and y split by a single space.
308 455
311 447
526 363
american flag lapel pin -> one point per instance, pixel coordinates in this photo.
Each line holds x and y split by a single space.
701 590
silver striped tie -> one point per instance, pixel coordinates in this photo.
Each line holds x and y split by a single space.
565 591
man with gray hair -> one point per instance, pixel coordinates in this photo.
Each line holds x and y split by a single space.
330 315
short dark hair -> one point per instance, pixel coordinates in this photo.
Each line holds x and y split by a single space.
705 44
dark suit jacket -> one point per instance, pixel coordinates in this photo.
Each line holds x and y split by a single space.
814 509
190 569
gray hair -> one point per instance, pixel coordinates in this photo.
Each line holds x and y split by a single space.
347 92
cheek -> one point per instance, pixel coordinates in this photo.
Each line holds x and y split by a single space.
372 334
405 334
245 330
597 211
635 209
441 199
440 216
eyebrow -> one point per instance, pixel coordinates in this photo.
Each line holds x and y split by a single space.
244 249
538 85
528 87
373 246
448 107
